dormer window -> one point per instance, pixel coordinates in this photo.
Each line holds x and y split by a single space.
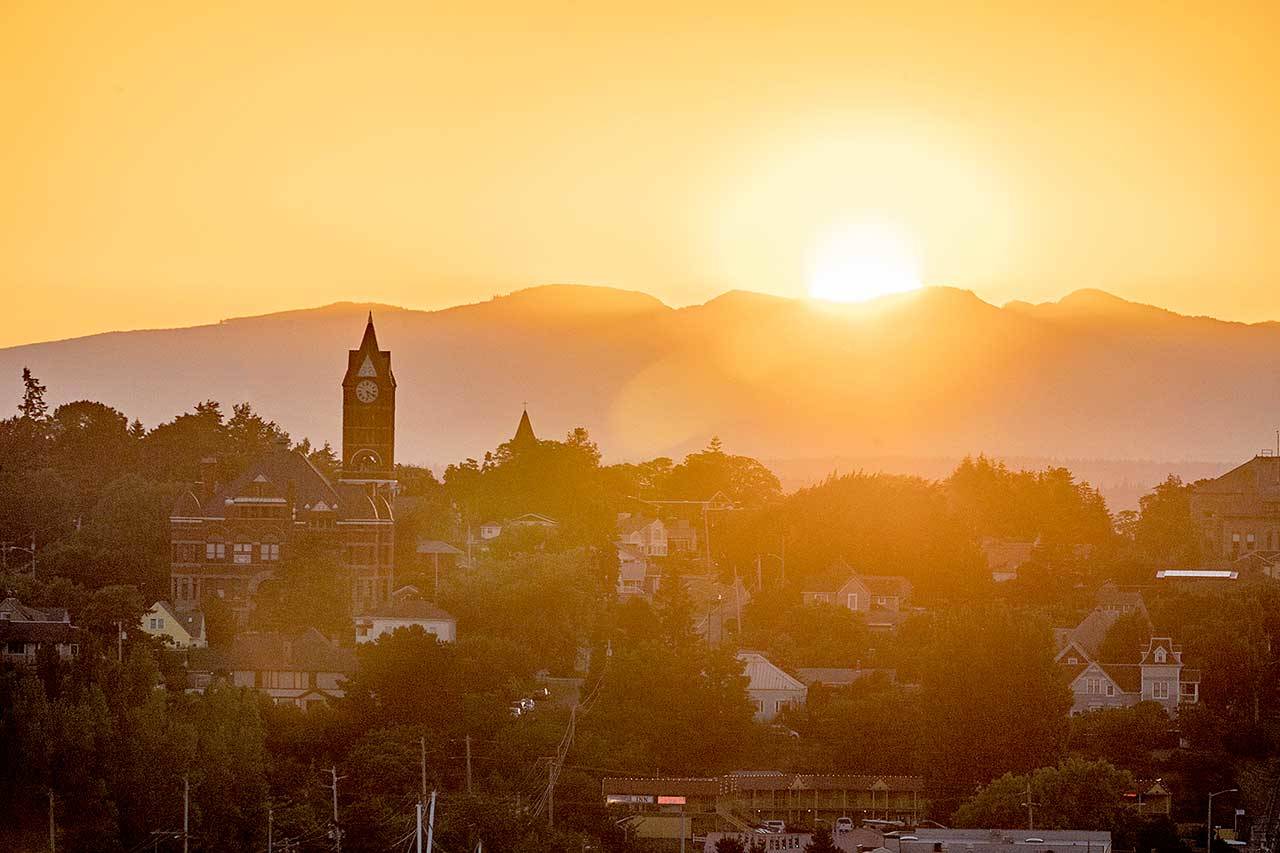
1160 656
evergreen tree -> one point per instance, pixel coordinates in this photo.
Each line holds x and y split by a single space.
822 842
33 407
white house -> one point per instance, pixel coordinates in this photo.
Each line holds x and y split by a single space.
647 534
770 689
403 614
185 630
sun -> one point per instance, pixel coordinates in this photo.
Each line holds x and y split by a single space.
857 261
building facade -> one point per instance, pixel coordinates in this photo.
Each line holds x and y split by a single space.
1238 513
228 539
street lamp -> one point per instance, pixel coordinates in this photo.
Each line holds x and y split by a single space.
1208 825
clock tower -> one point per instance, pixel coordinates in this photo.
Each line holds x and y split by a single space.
368 414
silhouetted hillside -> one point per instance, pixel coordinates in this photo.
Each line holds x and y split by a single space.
930 375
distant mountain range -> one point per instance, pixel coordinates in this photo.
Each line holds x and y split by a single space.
922 378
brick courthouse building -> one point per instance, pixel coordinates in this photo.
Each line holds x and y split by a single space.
228 538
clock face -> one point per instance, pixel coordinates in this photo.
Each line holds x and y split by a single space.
367 391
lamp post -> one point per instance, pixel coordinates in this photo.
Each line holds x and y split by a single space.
1208 825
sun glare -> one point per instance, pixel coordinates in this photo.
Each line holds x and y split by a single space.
862 260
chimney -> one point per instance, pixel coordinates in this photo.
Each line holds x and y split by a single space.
208 477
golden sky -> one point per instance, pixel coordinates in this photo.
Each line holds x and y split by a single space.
175 163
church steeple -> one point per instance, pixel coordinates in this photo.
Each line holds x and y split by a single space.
524 432
368 412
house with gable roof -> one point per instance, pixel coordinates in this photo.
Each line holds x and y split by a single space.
1097 683
770 689
25 630
882 599
293 669
184 629
642 532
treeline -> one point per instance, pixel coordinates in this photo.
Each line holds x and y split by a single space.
968 693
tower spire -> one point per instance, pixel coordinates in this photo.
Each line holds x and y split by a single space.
524 432
370 335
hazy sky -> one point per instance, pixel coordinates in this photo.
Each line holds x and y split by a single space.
177 163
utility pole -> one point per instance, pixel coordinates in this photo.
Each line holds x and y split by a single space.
737 599
422 766
270 847
1030 808
431 824
52 836
119 641
418 811
186 811
468 764
337 832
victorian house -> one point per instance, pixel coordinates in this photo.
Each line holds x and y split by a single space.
228 538
1153 673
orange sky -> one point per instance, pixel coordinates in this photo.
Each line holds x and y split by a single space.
164 166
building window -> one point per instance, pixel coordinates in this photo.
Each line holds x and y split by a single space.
1250 542
853 601
215 551
269 552
1093 686
243 552
1111 690
1160 656
1160 690
1073 661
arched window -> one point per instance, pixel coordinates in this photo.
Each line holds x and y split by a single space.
365 460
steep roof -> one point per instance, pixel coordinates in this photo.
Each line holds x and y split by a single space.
1089 634
309 651
281 474
524 431
634 523
14 610
763 674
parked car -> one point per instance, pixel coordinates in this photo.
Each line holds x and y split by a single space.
775 825
526 704
844 824
516 709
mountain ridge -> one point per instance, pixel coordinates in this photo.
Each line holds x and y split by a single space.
937 372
